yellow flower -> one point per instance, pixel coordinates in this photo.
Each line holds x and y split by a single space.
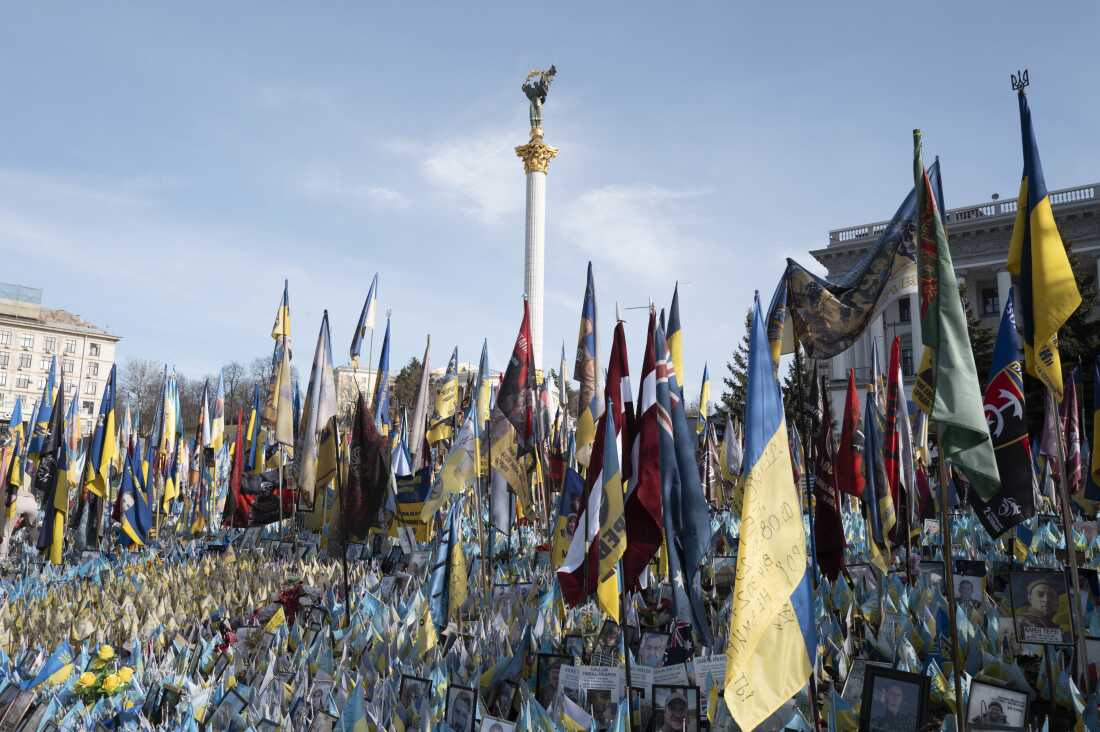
111 683
86 679
125 674
106 653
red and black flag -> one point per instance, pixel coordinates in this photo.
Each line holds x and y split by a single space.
364 495
849 457
515 399
828 527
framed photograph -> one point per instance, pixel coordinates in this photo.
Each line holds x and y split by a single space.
1040 608
324 722
504 699
969 589
461 705
652 651
547 673
492 724
413 691
935 572
675 708
228 708
169 700
863 574
574 645
930 533
219 666
994 707
603 709
608 650
893 701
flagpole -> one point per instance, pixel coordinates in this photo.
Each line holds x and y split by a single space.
949 574
343 525
808 440
1071 552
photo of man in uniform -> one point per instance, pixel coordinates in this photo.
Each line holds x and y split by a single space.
460 709
891 712
1037 598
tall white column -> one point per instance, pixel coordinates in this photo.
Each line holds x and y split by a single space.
536 156
534 257
1004 284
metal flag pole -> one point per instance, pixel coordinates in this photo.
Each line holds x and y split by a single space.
949 576
808 440
1066 516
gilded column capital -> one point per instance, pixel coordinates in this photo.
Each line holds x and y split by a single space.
536 154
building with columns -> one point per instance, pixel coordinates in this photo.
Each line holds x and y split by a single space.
31 336
979 236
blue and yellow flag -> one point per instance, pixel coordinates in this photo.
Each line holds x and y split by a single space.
41 423
484 389
366 320
103 448
1040 266
612 536
255 463
380 404
280 330
446 401
586 371
13 479
675 336
772 643
704 403
52 481
55 669
448 583
132 511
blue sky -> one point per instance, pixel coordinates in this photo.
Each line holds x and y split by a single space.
164 168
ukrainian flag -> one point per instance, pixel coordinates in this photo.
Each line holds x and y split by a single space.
280 330
772 637
14 477
586 371
446 402
133 512
1040 267
704 403
41 423
675 336
104 448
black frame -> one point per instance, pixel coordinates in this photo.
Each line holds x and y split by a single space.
566 660
988 725
1050 574
926 565
507 691
427 683
878 672
565 645
688 691
473 705
489 720
668 639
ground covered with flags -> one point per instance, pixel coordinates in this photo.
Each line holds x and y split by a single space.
485 557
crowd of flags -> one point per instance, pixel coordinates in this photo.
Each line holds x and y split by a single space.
625 487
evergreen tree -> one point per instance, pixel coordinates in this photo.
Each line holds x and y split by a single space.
793 397
737 379
982 339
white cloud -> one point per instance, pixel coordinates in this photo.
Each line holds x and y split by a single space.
479 172
329 186
636 229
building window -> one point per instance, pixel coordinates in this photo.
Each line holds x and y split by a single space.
904 315
4 360
28 341
93 369
51 344
89 387
70 389
3 379
41 382
23 382
87 407
67 366
24 360
907 360
5 337
93 350
70 346
990 302
44 363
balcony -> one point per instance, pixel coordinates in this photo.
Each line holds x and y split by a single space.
993 209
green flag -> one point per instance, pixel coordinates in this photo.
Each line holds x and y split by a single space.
948 389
